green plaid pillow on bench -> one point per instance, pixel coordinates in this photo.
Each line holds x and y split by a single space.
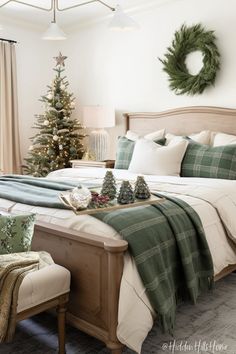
209 162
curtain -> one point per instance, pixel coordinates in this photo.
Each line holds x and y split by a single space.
10 158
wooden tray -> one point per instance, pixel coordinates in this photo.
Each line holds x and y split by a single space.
112 206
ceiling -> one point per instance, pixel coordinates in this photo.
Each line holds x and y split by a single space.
68 19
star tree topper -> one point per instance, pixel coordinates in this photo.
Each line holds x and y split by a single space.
60 59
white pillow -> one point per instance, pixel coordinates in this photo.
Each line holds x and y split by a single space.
224 139
159 134
150 158
132 135
203 137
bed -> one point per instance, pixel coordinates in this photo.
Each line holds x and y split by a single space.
107 297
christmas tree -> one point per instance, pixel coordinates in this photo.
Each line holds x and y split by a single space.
141 190
109 185
126 194
59 139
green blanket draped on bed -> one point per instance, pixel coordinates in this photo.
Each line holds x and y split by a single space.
169 247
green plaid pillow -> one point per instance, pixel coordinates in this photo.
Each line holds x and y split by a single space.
16 233
209 162
125 151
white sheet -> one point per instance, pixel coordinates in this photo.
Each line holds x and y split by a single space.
212 199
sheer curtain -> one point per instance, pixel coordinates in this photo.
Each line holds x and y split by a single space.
10 159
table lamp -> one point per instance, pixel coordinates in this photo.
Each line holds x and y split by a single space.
99 117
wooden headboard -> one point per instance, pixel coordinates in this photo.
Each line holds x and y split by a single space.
183 121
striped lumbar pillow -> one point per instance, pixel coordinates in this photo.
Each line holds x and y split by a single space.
209 162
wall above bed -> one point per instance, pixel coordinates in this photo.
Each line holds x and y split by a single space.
122 69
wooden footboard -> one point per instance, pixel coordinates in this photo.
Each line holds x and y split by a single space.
96 266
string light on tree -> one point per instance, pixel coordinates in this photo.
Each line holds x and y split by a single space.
59 139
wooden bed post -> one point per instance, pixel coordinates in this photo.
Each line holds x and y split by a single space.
115 267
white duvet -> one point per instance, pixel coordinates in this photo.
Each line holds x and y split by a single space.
214 201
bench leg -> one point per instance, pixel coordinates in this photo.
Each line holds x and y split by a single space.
61 318
116 351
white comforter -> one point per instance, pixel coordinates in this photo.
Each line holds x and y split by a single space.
213 200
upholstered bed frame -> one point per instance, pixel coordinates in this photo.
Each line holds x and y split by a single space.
96 263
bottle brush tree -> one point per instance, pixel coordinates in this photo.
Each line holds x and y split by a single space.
109 185
141 190
126 193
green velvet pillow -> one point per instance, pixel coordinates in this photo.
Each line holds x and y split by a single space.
209 162
125 151
16 233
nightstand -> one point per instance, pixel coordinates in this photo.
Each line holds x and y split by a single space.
91 163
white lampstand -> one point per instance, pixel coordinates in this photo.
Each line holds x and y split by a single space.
99 142
99 117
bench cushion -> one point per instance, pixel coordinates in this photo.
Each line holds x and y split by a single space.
43 285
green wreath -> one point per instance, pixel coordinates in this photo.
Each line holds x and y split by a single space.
187 40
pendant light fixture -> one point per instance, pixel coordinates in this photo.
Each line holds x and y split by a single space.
120 20
54 32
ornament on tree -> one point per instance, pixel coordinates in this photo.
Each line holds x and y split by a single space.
49 96
31 147
59 105
126 194
59 138
141 190
46 123
109 185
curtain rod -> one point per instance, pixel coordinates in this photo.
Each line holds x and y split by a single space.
7 40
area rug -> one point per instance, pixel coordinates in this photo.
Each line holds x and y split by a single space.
206 328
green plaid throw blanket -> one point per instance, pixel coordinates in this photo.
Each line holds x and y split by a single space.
169 246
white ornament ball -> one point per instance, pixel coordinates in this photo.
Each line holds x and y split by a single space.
55 137
49 96
31 148
46 122
60 147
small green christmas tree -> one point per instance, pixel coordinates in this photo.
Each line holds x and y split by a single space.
141 190
109 185
59 139
126 194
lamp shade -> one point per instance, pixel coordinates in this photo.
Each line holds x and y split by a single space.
54 33
121 21
98 117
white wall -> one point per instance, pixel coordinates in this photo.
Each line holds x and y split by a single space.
34 71
121 68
